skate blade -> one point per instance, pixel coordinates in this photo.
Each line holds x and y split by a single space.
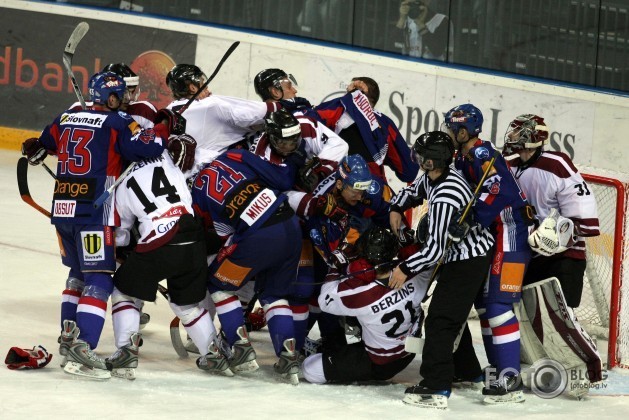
124 373
191 347
512 397
289 378
439 402
579 394
78 369
227 372
250 366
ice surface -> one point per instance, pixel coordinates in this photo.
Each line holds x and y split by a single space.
31 281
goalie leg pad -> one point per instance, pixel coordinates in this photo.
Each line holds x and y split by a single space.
555 325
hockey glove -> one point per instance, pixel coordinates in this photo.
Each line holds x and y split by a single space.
256 320
34 151
327 206
295 104
308 175
175 123
457 231
35 358
406 236
181 149
422 229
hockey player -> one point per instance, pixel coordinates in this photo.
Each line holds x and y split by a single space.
143 112
384 315
567 211
464 269
351 192
216 122
90 146
277 144
239 193
502 207
368 132
171 246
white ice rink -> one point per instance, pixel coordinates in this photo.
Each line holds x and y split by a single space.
31 281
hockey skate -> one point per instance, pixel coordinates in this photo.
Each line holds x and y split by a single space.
243 358
475 384
214 361
69 333
506 389
288 365
123 362
144 319
422 396
82 361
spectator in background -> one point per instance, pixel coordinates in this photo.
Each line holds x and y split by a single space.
425 31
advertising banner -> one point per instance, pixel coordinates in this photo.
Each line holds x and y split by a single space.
34 86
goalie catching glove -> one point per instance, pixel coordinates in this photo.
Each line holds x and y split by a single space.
35 358
181 149
554 235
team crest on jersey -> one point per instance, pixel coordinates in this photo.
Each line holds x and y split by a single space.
494 187
93 249
481 153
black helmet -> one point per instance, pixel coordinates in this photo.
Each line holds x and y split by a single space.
180 76
124 71
436 146
284 132
268 78
377 245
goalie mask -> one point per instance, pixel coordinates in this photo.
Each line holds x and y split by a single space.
103 85
130 78
526 131
181 76
284 132
435 146
377 245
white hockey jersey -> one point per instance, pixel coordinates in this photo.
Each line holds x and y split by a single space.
318 141
155 193
552 181
217 122
384 314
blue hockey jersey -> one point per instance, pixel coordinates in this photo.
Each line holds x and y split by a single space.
91 147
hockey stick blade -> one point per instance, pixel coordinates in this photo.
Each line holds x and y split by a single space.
68 53
76 37
22 185
212 76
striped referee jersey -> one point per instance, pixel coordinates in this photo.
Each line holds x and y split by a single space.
446 195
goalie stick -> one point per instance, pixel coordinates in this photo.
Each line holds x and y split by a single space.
22 185
68 53
104 196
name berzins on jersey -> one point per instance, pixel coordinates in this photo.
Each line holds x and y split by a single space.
393 298
148 161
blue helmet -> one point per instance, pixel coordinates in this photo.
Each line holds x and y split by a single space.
104 84
467 116
354 173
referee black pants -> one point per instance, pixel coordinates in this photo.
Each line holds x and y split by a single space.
458 285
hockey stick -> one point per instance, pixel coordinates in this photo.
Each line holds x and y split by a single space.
105 195
22 185
466 211
52 174
68 53
212 76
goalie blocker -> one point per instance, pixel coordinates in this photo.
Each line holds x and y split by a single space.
549 328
